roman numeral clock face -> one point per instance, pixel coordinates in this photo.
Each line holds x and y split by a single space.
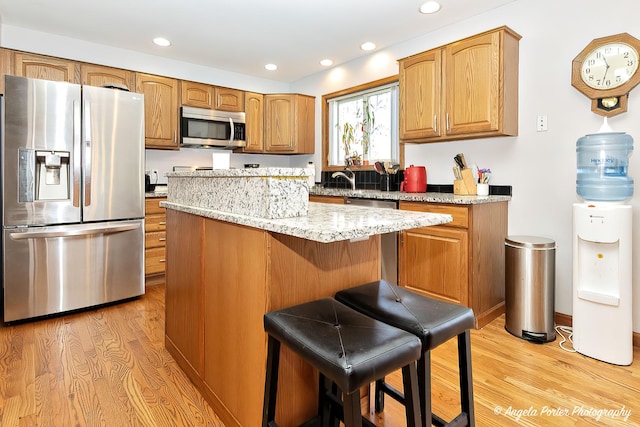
609 66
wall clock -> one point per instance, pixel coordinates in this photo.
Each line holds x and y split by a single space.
606 70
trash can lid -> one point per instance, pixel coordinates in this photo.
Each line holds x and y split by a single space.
532 242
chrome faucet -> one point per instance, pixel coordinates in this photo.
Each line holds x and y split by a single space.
351 179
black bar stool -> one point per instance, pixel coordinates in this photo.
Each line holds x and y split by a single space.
434 322
348 348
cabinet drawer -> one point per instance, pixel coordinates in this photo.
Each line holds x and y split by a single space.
152 205
155 239
460 214
155 223
154 261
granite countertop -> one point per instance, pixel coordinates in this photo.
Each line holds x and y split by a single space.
407 197
160 191
247 172
328 223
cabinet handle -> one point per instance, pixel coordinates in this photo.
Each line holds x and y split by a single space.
162 239
161 260
448 122
435 124
162 223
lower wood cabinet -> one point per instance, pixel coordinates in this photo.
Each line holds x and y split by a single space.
460 262
327 199
155 234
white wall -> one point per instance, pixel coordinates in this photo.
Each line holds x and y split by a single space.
540 166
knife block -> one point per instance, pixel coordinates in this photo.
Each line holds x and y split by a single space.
465 186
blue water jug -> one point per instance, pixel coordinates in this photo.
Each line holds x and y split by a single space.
603 163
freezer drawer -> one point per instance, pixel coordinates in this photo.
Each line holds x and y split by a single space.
55 269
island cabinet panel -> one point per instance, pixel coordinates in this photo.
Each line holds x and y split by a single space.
461 261
466 89
221 280
184 305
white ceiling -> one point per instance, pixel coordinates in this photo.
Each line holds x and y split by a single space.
242 35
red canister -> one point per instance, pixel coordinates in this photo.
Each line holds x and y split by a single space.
415 180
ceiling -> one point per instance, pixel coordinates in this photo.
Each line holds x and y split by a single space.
242 35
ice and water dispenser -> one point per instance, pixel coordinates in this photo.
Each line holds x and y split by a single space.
44 175
602 240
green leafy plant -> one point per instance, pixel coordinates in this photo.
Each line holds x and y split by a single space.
348 139
368 127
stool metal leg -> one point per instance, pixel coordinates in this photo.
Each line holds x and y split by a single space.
379 395
271 383
466 380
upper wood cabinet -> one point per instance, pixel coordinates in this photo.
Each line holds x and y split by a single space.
207 96
45 67
196 94
467 89
227 99
160 110
254 132
289 123
98 75
6 62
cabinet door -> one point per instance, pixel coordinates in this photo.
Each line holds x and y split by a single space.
226 99
44 67
304 123
434 262
473 85
420 95
6 59
197 94
327 199
280 123
254 110
97 75
160 110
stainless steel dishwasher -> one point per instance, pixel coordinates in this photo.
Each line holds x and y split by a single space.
388 241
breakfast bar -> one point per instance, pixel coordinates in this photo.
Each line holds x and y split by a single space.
232 264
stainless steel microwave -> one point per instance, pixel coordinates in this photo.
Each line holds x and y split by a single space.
202 128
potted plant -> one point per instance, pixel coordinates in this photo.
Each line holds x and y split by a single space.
348 138
368 127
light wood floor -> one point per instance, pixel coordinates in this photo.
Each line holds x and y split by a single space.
108 367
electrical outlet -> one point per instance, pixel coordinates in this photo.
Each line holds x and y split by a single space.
541 123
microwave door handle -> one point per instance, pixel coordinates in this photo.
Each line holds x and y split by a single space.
233 131
87 153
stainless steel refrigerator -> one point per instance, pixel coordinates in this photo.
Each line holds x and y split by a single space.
72 162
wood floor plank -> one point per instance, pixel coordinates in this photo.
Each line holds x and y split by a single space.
109 367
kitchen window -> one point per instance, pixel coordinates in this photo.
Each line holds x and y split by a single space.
361 126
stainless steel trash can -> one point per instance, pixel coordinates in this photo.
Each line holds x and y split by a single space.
530 269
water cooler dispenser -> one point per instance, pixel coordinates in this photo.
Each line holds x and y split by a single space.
602 241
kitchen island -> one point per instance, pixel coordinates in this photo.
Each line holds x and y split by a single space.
226 270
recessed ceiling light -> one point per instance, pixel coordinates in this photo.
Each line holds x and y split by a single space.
161 41
271 67
368 46
430 7
326 62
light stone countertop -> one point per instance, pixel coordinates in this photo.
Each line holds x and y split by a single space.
407 197
328 223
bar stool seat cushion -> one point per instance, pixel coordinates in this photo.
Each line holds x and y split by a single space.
433 321
348 347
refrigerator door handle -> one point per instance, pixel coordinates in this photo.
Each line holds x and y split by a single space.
87 154
76 154
85 230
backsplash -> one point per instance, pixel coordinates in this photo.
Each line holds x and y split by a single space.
370 180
